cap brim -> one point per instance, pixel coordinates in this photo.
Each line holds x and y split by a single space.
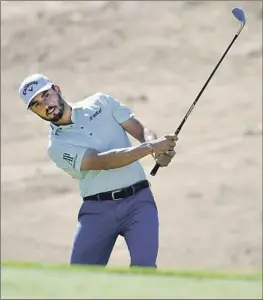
44 88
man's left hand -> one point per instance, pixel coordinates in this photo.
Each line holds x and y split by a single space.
164 159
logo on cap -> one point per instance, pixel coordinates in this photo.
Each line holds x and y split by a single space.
26 87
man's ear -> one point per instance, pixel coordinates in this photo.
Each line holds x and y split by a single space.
57 89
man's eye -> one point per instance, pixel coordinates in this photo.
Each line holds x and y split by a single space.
36 104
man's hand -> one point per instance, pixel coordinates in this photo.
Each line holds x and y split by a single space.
164 144
164 159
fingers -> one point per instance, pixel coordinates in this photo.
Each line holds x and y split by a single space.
170 153
164 159
171 137
163 162
164 144
171 145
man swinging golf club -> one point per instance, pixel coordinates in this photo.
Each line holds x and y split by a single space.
89 141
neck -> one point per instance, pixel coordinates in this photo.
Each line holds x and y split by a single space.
66 119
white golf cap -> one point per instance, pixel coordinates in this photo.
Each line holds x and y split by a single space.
32 86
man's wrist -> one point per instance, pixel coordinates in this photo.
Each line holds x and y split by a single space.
151 146
149 137
152 150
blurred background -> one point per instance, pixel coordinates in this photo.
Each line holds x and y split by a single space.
154 57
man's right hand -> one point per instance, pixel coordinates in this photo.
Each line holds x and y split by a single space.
164 144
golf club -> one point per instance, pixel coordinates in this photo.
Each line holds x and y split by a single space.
240 16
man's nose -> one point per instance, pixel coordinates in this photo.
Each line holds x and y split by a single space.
46 105
46 102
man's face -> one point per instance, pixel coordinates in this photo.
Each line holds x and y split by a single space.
48 105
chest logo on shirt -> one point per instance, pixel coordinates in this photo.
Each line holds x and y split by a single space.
95 114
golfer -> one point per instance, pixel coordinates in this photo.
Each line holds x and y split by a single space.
89 141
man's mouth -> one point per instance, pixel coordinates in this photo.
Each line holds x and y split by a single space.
51 110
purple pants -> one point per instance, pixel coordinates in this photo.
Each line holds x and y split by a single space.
100 223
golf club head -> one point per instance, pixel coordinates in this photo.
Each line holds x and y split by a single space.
239 14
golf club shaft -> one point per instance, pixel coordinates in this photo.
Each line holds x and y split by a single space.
157 166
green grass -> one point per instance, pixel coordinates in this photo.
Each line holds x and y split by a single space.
44 281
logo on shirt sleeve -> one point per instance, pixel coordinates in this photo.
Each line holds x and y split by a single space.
70 159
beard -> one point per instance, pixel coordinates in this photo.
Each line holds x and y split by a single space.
55 117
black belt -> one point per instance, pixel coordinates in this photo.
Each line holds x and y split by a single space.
118 194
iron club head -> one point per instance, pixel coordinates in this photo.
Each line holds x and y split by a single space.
239 14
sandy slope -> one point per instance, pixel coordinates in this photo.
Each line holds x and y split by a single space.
155 57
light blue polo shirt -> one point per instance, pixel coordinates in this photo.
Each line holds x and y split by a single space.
96 125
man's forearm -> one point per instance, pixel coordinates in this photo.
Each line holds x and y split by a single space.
122 157
116 158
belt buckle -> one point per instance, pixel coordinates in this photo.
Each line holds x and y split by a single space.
113 195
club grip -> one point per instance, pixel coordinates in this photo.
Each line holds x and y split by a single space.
155 169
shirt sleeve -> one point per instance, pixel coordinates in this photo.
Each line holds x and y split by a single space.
67 157
120 112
